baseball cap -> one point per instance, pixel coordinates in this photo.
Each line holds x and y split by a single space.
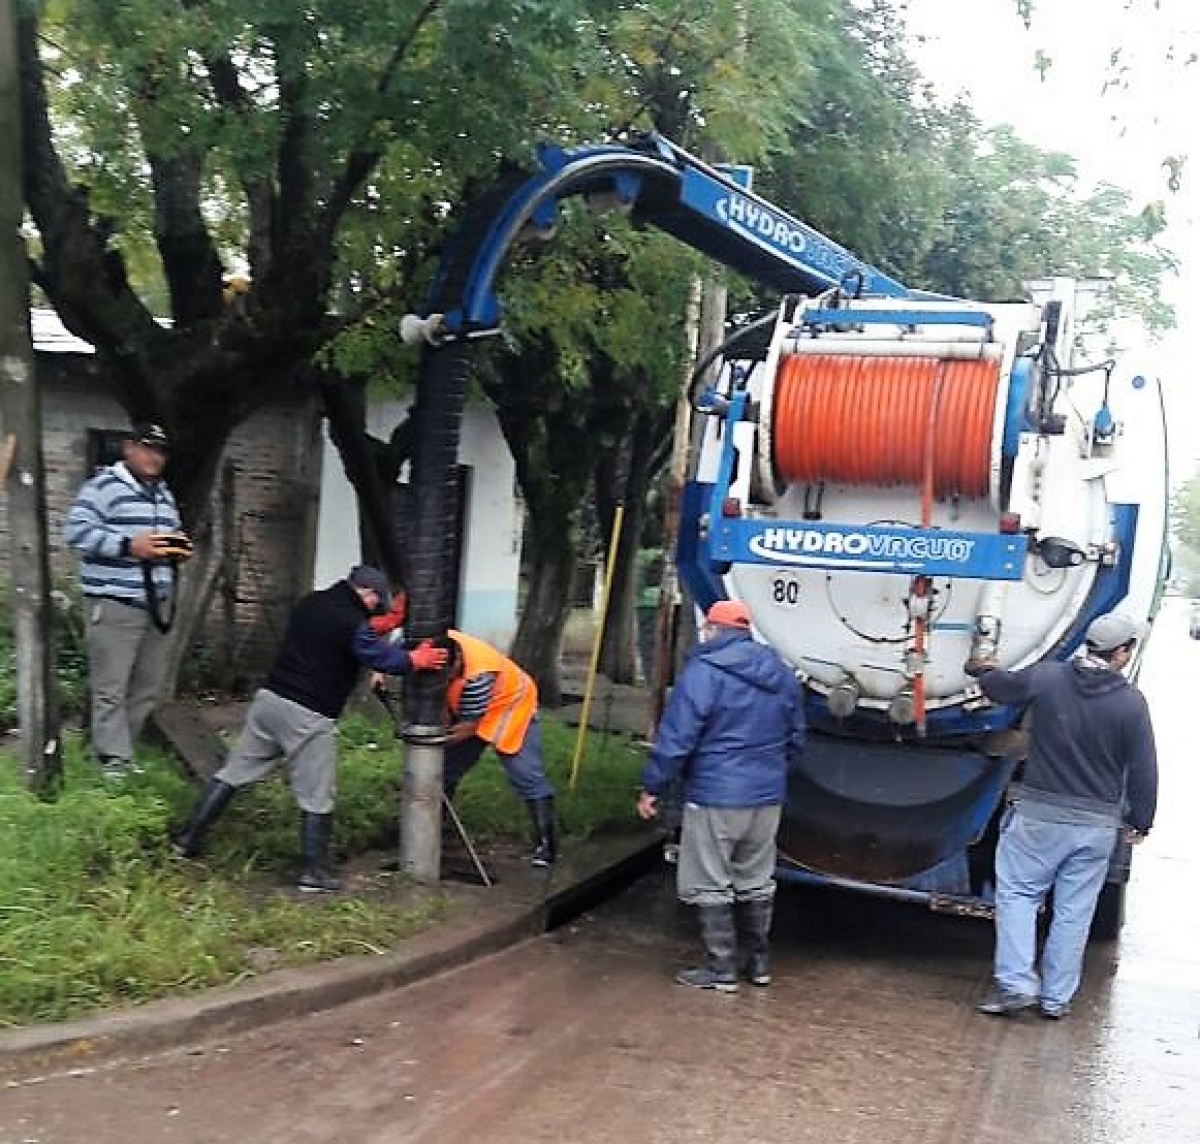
729 614
149 433
1109 632
364 576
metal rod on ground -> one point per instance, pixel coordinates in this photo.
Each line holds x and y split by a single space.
609 569
480 869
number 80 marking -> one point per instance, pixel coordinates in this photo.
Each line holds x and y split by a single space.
785 592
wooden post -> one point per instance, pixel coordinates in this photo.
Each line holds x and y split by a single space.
705 324
20 418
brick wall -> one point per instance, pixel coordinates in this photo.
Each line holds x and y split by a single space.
264 510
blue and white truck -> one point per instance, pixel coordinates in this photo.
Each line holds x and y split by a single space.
894 482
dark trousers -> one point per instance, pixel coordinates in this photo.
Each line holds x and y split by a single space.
525 770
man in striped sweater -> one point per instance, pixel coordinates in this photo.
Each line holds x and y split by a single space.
126 527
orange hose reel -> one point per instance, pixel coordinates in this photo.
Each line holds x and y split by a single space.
904 421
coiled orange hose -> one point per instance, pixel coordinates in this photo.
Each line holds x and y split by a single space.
921 422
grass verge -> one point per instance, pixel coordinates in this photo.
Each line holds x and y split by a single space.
94 913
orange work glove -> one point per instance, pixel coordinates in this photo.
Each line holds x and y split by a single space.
393 618
426 657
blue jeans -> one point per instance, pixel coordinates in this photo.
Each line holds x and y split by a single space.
1032 858
525 770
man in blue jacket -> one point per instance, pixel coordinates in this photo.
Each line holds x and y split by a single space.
734 723
1092 771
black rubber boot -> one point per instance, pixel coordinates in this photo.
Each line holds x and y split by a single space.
545 848
754 934
315 832
720 942
210 806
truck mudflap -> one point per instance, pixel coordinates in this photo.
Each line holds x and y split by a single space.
888 814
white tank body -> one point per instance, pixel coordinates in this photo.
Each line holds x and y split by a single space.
1099 496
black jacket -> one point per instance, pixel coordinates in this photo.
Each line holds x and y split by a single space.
327 644
1091 742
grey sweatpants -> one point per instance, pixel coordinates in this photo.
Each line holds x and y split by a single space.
727 854
127 657
277 728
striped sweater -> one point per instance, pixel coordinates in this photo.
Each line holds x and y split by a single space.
111 508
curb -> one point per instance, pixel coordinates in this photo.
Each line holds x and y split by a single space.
286 993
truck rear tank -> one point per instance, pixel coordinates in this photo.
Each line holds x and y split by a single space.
894 487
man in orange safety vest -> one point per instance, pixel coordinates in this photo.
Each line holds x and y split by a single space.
493 702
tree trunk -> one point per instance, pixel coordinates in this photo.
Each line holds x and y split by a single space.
198 584
345 406
537 645
629 482
193 484
21 471
618 644
554 445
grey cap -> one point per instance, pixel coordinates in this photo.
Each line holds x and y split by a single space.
364 576
1109 632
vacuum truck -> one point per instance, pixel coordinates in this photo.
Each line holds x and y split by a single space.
894 482
894 488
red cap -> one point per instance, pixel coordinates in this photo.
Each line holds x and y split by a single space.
729 614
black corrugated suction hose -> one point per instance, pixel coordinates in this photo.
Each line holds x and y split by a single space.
441 398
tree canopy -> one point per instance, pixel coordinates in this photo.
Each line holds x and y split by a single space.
322 155
1185 512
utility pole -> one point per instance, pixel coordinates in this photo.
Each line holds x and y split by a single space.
21 474
706 314
705 326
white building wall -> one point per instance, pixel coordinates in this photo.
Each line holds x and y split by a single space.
487 605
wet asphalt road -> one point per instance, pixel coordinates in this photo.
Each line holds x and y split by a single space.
868 1034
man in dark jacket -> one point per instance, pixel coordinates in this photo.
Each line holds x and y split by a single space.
734 723
294 714
1092 770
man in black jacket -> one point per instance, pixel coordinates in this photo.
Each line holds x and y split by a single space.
293 716
1092 771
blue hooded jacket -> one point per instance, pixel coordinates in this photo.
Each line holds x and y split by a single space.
734 722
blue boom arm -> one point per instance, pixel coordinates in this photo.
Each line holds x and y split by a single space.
665 187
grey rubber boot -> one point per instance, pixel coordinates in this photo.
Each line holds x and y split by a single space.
720 942
545 846
754 934
315 832
210 806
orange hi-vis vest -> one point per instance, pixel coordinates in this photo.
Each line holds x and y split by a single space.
514 697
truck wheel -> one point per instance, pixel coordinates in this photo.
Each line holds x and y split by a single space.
1110 913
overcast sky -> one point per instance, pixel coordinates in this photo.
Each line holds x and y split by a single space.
1119 135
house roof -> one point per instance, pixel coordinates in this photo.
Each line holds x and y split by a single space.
51 336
